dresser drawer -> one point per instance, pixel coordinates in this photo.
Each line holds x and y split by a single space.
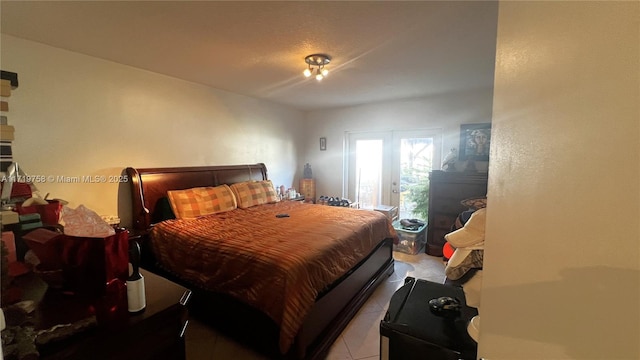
446 191
450 206
434 246
459 191
442 221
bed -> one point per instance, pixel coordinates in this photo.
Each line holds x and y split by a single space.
257 277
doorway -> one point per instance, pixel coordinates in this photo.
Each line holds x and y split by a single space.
392 168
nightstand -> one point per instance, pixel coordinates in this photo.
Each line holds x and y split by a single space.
308 189
156 333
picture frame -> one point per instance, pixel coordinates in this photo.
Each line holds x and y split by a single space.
323 143
475 140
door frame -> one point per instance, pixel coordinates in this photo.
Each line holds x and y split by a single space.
398 135
390 161
349 171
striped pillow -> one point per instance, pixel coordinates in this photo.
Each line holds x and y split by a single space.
194 202
252 193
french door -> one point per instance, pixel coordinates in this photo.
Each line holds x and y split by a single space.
391 168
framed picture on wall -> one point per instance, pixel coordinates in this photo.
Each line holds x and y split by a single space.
475 140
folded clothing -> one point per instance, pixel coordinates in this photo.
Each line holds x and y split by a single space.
411 224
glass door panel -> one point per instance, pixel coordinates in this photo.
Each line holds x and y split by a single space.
392 168
367 182
368 172
416 159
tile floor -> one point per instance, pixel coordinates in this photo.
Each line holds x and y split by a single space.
359 340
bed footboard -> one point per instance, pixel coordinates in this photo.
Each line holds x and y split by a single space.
330 315
327 319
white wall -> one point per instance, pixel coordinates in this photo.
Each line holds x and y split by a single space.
562 264
76 115
443 113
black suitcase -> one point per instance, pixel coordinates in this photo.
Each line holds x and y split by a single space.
410 330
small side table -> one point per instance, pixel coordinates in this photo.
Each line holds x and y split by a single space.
156 333
308 189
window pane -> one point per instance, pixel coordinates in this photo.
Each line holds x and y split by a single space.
416 155
368 173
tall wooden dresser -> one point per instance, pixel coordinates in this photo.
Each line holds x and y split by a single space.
446 190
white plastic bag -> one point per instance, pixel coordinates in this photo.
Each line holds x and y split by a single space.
85 223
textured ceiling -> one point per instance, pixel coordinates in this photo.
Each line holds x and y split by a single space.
382 50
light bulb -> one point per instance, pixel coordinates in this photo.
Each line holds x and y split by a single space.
307 72
325 72
319 76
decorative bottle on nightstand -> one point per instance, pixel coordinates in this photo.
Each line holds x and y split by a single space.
136 299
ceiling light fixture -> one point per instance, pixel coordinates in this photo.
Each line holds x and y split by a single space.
316 64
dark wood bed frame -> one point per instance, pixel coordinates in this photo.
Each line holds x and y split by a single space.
334 307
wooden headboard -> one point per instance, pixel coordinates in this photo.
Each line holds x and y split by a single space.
151 184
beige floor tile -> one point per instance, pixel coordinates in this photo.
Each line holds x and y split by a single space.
383 293
422 266
339 351
370 306
226 348
200 350
197 331
200 341
362 335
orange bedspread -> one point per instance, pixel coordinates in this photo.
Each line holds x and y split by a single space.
278 265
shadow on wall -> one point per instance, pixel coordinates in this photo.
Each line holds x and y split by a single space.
600 306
